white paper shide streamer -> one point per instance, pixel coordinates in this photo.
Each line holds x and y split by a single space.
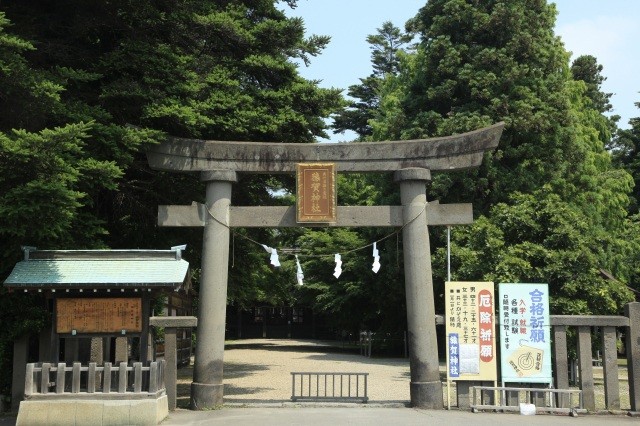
338 269
275 261
376 259
299 274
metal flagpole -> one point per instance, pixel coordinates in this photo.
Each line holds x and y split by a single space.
448 253
448 279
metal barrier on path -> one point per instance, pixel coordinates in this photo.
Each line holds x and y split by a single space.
329 386
544 399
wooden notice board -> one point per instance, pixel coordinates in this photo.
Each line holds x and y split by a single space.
316 195
111 315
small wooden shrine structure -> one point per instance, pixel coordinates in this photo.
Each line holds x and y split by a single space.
100 306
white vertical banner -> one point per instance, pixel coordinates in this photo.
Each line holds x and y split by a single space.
525 333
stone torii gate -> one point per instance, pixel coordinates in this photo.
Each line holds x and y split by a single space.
411 162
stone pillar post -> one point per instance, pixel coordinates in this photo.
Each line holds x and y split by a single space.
632 311
207 387
122 350
425 386
45 346
71 349
20 356
106 344
171 374
561 364
171 326
145 340
97 350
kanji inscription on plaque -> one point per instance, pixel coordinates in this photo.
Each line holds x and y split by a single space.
316 195
110 315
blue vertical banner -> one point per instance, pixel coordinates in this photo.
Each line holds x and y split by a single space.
454 355
525 333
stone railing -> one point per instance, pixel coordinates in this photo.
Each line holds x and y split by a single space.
608 325
93 395
56 381
584 326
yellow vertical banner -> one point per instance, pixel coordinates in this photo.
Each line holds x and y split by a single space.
470 330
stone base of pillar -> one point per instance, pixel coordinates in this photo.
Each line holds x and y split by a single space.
206 396
427 395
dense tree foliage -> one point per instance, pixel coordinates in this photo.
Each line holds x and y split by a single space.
46 175
360 299
86 86
539 238
586 68
626 154
483 62
194 69
551 205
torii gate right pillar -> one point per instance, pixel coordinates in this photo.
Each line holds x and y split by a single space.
425 386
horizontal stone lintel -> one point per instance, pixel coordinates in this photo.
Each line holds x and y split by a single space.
456 152
285 217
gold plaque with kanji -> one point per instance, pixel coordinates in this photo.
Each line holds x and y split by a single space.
316 195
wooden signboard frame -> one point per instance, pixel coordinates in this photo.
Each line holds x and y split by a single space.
316 193
98 315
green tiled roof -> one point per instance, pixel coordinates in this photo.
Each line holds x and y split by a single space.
99 269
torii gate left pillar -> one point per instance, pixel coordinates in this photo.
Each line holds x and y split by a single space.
207 386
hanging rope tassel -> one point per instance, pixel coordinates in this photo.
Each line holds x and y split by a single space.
274 259
299 274
338 269
376 259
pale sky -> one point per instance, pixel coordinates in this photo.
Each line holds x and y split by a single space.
606 29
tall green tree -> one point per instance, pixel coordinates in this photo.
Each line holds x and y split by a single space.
479 63
483 62
85 87
47 172
45 178
200 69
626 154
387 46
587 69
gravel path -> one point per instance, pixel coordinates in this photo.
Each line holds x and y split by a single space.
258 370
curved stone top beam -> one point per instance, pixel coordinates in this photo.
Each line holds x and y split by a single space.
455 152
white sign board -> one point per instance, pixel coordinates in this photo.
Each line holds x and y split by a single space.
525 333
